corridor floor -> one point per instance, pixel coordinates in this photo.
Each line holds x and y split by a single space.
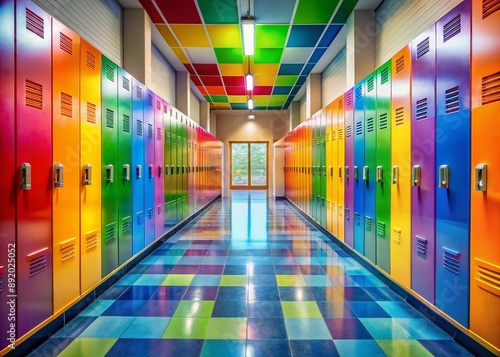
250 277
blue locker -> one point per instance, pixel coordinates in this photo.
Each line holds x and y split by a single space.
453 150
138 167
149 162
359 163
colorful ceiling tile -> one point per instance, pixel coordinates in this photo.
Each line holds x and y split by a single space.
291 37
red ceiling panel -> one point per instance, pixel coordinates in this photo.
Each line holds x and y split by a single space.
236 90
211 80
234 81
175 14
152 12
263 90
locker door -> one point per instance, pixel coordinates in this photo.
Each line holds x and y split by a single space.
334 166
66 164
90 166
110 173
423 148
340 168
452 165
194 163
125 166
7 153
158 168
401 168
485 198
359 163
348 168
167 163
149 168
329 178
314 197
185 203
368 172
189 163
138 169
34 166
323 168
178 163
308 159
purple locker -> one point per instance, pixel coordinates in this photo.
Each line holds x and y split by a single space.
149 168
7 153
158 168
349 169
34 165
423 147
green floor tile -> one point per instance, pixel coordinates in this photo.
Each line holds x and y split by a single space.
186 328
405 348
85 347
195 308
290 280
227 329
234 280
300 309
178 280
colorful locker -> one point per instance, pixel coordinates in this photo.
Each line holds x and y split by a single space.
329 177
369 171
167 158
423 148
359 163
194 162
190 162
453 166
180 178
66 165
149 168
401 168
308 181
7 153
185 203
177 202
348 169
339 169
485 198
322 171
333 166
315 154
90 166
34 165
137 169
124 166
110 178
158 170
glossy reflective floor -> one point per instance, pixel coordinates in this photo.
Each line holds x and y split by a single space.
250 277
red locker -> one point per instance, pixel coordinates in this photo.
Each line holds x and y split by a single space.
34 166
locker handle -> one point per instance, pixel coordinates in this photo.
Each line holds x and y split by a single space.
365 173
395 175
109 173
380 174
331 171
126 172
25 176
150 170
167 170
417 174
138 171
355 173
160 168
323 170
59 175
87 174
340 171
172 170
346 172
178 169
481 177
443 176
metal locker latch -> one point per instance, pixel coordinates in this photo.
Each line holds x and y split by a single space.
395 175
59 175
160 168
340 171
416 176
178 170
126 172
443 176
150 171
87 174
481 179
138 171
167 170
109 173
365 173
172 170
331 171
355 173
25 176
346 172
380 173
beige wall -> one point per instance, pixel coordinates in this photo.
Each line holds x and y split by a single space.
267 126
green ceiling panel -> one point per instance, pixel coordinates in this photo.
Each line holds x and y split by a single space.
314 11
229 55
345 10
219 12
207 97
220 98
286 80
277 100
271 36
268 55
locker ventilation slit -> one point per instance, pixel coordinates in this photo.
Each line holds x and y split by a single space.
488 276
384 77
370 84
91 113
66 43
34 23
66 105
340 210
359 128
491 88
423 47
158 105
396 235
126 123
165 109
140 218
110 232
349 99
382 121
348 131
158 134
452 28
139 92
452 100
38 265
400 64
91 240
139 127
347 214
110 73
90 60
341 104
368 224
421 109
380 229
110 120
369 125
359 92
150 131
341 134
126 225
422 246
68 251
150 100
451 261
151 213
34 95
126 83
334 136
490 7
400 116
357 219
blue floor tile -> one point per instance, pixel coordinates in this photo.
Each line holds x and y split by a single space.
422 329
295 293
266 329
307 329
159 308
349 348
230 308
125 308
263 293
268 348
335 309
223 348
206 280
347 329
75 327
169 293
146 327
232 293
445 348
313 348
107 327
264 309
138 293
367 309
97 308
52 347
177 348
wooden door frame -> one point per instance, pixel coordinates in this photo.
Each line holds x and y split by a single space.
248 186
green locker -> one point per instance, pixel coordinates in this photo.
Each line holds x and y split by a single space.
167 159
322 178
185 163
109 156
178 170
124 168
383 169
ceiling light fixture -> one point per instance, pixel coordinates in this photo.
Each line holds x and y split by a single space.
251 116
249 81
248 27
250 103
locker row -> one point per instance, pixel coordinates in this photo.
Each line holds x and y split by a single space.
404 167
95 167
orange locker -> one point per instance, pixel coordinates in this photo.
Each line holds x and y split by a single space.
90 166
